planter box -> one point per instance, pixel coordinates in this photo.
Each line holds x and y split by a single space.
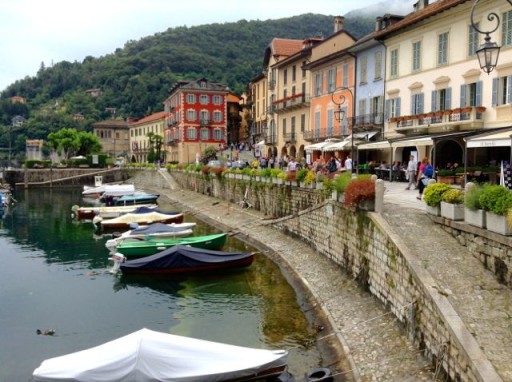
497 223
436 211
452 211
475 217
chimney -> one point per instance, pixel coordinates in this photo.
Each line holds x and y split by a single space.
421 4
338 23
378 24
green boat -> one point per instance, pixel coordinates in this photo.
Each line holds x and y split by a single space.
147 247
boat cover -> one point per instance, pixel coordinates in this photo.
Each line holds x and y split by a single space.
146 355
110 189
155 228
182 257
138 217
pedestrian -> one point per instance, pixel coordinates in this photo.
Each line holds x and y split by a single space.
292 165
348 164
425 173
411 172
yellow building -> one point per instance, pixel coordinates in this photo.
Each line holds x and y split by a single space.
139 135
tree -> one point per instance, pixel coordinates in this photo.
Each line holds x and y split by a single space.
65 142
89 143
156 142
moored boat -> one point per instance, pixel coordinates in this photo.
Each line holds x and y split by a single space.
140 216
135 198
147 355
151 246
155 230
106 212
111 189
183 259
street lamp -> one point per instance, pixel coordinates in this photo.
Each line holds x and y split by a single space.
339 114
489 51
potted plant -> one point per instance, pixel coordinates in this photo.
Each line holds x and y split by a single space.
496 200
300 176
310 179
473 212
452 204
360 194
445 176
433 195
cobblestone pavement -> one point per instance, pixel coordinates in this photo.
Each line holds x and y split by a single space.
375 343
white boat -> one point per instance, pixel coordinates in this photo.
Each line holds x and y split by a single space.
159 230
149 356
110 189
106 212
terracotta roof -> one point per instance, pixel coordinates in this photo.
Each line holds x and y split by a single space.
110 123
152 117
285 47
417 16
233 98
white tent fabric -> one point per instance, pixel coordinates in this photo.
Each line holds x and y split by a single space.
338 146
261 143
497 139
321 145
149 356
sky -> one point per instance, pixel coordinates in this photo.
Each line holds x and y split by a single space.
50 31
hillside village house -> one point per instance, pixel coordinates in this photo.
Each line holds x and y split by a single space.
139 139
197 118
113 136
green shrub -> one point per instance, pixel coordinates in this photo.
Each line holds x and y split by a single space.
267 173
310 177
341 181
433 194
472 197
301 174
444 172
495 198
453 196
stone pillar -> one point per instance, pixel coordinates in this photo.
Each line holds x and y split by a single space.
380 188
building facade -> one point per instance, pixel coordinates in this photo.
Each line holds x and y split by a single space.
113 136
141 133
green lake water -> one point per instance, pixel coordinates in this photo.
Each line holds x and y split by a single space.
53 274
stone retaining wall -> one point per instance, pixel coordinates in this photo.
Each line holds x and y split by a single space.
364 246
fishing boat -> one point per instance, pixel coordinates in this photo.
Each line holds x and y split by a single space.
155 230
141 216
182 259
148 356
151 246
105 212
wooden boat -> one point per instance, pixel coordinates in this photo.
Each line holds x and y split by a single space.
141 216
148 356
105 212
155 230
151 246
182 259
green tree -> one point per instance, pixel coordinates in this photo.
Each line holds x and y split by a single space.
89 143
65 142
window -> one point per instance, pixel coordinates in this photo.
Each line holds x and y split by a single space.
473 42
285 76
344 82
294 73
317 124
442 48
471 94
330 122
217 134
204 116
204 99
378 66
302 122
361 107
417 103
191 115
191 98
364 70
331 80
292 123
284 127
217 116
501 90
303 69
217 100
191 133
318 84
416 56
394 63
506 31
205 134
393 107
441 99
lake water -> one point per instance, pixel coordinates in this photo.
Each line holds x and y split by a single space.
53 275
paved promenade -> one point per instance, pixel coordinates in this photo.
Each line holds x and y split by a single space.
376 345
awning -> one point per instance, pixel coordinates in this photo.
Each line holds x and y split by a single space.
374 146
320 145
261 143
425 141
337 146
497 139
365 134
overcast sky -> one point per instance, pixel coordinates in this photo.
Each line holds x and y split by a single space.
35 31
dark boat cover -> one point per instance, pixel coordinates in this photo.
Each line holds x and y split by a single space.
181 258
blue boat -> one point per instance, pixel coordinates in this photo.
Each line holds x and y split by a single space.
135 198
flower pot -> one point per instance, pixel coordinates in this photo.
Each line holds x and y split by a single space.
452 211
475 217
436 211
319 185
497 223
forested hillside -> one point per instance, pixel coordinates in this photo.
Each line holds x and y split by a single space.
135 79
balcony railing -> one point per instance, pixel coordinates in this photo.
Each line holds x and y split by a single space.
469 117
290 137
205 122
271 84
338 131
372 120
290 103
270 139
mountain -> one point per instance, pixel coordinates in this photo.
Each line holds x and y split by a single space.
136 78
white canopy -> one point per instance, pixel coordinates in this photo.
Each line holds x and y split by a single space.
374 145
337 146
321 145
261 143
149 356
424 141
498 139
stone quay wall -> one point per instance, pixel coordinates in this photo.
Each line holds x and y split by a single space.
364 246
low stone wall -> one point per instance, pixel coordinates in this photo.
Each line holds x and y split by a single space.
364 245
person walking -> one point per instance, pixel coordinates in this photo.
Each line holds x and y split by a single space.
411 172
425 173
348 164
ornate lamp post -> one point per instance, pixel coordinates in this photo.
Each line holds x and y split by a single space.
339 114
489 51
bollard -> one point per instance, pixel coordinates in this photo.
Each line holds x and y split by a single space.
380 188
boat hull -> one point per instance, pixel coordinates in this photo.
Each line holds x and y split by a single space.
153 246
106 212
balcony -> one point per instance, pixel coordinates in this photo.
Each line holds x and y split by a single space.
372 121
172 123
466 118
270 139
290 137
339 131
271 84
205 122
271 109
293 102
